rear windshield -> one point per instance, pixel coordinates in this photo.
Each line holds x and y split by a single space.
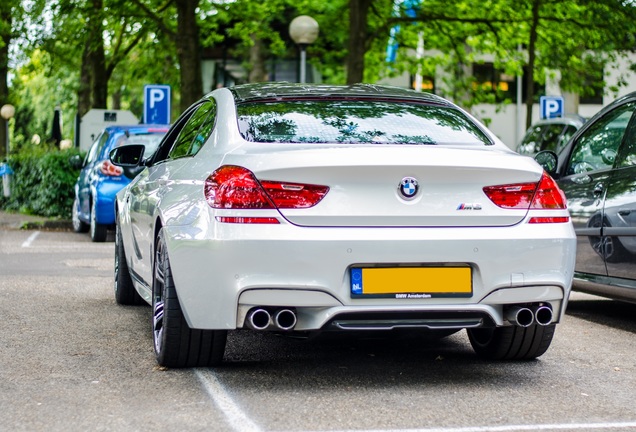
356 122
150 140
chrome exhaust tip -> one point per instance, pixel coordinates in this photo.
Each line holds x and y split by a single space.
521 316
258 319
285 319
543 315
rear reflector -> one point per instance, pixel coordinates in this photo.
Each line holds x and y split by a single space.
248 220
560 219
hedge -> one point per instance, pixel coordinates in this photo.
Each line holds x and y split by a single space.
42 183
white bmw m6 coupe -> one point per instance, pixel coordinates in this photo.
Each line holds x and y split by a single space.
301 209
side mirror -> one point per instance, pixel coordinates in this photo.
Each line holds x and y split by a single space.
76 162
127 155
548 160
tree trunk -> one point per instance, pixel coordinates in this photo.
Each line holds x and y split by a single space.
99 82
84 91
531 61
188 52
358 29
93 84
258 72
116 99
7 24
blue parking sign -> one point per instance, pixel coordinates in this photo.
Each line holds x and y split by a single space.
157 104
551 106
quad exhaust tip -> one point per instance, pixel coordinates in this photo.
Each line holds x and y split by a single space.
543 315
523 316
260 319
285 319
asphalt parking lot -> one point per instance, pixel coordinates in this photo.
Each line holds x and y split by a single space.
74 360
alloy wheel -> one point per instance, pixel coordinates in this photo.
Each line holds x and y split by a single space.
158 299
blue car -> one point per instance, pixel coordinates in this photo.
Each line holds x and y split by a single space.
99 181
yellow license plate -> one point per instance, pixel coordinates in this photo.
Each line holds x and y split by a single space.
411 282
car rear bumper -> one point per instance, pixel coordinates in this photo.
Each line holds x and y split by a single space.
222 274
105 195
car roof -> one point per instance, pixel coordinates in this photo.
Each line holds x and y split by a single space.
137 128
573 119
284 90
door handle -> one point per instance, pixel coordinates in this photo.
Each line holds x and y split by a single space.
598 189
581 179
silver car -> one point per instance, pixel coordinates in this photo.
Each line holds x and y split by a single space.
549 134
301 209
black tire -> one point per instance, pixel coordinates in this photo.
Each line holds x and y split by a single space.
176 344
98 231
78 225
511 343
125 292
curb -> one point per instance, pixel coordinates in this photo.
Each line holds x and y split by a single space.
19 221
47 225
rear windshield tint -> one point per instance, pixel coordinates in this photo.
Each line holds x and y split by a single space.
356 122
149 140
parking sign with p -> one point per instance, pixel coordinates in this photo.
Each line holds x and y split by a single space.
551 106
157 104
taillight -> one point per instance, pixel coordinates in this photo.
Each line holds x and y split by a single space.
107 168
294 195
543 195
514 196
548 195
233 187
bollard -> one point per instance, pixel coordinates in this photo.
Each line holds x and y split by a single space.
5 172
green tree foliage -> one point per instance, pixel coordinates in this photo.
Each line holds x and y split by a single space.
11 12
79 54
554 34
109 48
39 87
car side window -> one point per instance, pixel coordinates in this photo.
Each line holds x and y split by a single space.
532 141
596 148
551 137
565 137
205 130
627 153
171 137
184 143
96 148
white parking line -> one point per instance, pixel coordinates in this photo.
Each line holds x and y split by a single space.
31 239
512 428
240 422
236 418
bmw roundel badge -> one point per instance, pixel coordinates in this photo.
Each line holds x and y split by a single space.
408 187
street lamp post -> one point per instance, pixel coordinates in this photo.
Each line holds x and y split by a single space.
303 31
7 112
